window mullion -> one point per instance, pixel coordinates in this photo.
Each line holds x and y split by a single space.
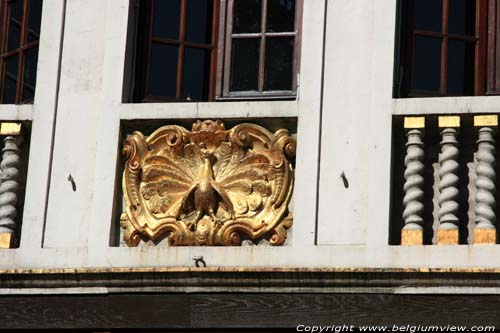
20 67
480 55
2 78
444 66
262 46
493 86
226 49
180 60
3 43
296 43
213 53
444 50
145 86
4 24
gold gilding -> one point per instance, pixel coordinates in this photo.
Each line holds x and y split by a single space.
447 237
10 128
412 237
208 186
484 236
6 240
486 121
414 122
449 121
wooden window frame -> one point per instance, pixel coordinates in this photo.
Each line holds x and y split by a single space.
221 46
493 52
225 52
18 52
407 49
143 71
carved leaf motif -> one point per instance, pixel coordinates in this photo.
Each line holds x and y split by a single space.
170 166
224 155
243 176
164 183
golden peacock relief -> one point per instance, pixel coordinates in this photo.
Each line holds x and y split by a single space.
208 186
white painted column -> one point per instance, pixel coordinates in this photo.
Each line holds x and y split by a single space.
9 187
345 140
70 205
308 131
43 116
108 133
485 230
413 230
448 231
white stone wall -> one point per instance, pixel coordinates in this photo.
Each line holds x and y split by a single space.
343 112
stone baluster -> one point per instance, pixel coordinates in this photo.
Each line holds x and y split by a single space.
484 230
412 232
448 232
9 168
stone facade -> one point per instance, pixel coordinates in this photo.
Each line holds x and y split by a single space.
342 121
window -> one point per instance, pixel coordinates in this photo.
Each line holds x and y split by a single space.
261 44
203 50
177 50
20 34
443 48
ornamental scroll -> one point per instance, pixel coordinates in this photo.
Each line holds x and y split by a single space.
208 186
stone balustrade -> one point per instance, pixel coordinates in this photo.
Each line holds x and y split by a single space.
455 183
9 182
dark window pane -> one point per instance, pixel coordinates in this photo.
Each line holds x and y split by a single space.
280 15
196 74
428 15
199 21
247 16
163 72
427 64
460 68
166 18
34 20
16 17
10 79
279 64
29 74
462 17
245 64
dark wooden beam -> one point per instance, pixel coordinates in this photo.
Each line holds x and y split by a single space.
239 311
277 280
94 312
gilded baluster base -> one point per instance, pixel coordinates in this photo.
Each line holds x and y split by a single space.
7 240
412 237
484 236
447 237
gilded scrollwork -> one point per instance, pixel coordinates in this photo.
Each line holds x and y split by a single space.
208 186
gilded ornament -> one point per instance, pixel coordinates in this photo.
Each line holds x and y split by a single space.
208 186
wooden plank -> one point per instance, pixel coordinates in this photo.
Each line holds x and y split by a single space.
290 310
358 280
493 51
244 310
98 312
